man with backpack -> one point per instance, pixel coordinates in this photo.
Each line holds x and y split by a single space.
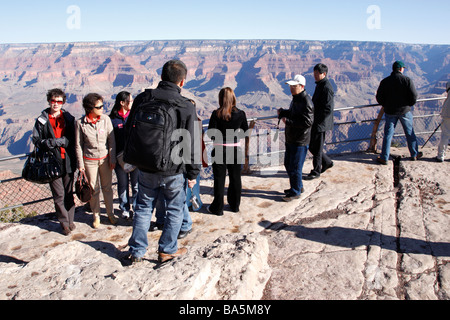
160 142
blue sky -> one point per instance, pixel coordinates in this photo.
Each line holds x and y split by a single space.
413 21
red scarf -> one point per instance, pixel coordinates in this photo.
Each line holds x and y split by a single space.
59 125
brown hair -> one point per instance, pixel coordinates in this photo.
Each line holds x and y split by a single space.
90 101
227 103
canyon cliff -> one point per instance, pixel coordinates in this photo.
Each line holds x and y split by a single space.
256 69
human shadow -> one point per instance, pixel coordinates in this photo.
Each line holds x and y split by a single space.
353 238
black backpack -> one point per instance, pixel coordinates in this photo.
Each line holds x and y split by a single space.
148 144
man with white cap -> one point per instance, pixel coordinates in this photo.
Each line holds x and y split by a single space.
299 119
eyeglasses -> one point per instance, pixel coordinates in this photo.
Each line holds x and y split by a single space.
99 107
57 102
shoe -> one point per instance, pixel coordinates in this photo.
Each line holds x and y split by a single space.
164 257
96 222
126 214
291 197
65 230
209 211
312 176
331 165
419 155
439 159
183 234
135 259
112 219
381 161
287 191
155 226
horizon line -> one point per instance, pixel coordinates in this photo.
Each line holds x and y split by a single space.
234 40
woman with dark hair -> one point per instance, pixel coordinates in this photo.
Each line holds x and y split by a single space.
119 115
96 154
227 126
55 131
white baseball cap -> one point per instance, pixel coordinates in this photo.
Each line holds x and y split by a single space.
299 79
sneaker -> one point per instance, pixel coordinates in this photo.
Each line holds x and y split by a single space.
439 159
126 214
382 161
164 257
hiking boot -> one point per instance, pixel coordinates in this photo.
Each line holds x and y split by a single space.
381 161
164 257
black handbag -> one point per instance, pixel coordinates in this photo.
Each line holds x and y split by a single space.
41 167
83 188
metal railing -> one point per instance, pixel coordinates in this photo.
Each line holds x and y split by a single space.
18 195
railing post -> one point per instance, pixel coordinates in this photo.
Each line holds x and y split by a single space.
246 169
373 139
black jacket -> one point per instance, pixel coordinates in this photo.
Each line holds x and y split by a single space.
237 122
323 100
397 94
44 137
299 119
187 117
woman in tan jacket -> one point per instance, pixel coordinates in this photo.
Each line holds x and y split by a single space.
96 153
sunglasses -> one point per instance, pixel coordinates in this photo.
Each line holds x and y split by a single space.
99 107
57 102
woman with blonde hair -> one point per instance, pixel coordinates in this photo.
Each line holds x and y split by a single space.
96 153
227 126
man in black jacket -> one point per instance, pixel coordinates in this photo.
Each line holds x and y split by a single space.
397 95
172 182
299 119
323 100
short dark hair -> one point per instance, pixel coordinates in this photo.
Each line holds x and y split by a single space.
321 68
174 71
53 93
90 101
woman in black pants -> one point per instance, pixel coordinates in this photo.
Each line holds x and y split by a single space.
227 126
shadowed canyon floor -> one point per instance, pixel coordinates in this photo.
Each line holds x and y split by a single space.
361 231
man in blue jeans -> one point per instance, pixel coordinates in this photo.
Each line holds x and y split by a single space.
299 119
173 182
397 95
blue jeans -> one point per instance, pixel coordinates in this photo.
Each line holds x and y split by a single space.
160 211
123 181
389 129
173 189
294 160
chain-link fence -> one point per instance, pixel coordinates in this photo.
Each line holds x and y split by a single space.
264 148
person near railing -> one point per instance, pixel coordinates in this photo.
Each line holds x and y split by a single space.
119 115
397 94
299 120
445 127
54 130
96 154
227 153
323 100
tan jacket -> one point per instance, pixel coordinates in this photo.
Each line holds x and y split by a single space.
95 141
